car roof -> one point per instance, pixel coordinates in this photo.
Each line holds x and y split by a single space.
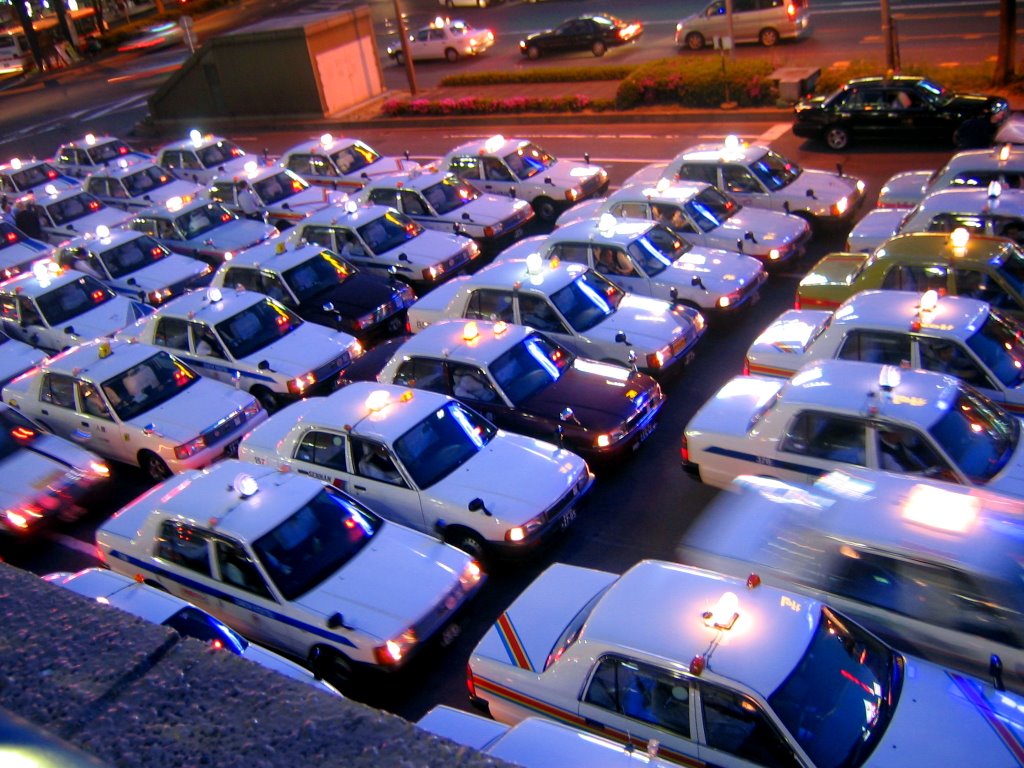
470 341
182 206
547 278
927 247
667 602
987 158
276 257
204 305
89 361
318 146
22 164
1009 202
886 80
414 179
953 316
90 140
125 593
206 140
115 170
30 285
96 244
677 192
254 171
337 214
366 413
494 145
605 230
49 198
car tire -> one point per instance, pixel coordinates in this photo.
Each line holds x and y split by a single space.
468 541
451 55
598 49
154 467
332 666
768 37
695 41
836 137
532 52
399 58
545 209
267 399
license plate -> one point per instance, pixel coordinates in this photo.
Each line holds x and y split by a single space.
644 434
568 518
449 633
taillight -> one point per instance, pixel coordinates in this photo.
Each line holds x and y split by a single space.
685 450
746 367
791 11
470 685
101 555
796 302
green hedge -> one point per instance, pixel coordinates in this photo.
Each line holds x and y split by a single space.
703 82
963 77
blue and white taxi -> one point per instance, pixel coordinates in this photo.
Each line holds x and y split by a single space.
73 212
53 308
202 228
135 404
322 287
250 341
838 413
989 210
520 168
707 669
158 607
443 38
381 240
919 562
281 196
293 564
648 259
705 217
972 168
18 251
42 477
134 186
340 162
133 264
22 177
573 305
426 461
758 176
955 335
201 158
441 200
92 153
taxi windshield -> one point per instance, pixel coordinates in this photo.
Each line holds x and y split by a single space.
587 300
73 208
841 696
529 160
133 255
203 219
316 542
443 442
710 208
998 344
388 232
108 150
977 435
1011 266
256 327
529 367
280 186
450 194
146 180
775 171
16 431
72 299
317 274
144 386
354 157
218 153
657 250
34 175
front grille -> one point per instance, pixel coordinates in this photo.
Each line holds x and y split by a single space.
224 427
331 369
591 185
440 613
641 415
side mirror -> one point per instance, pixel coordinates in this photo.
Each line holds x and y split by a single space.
477 505
995 671
264 365
810 193
328 306
620 338
403 257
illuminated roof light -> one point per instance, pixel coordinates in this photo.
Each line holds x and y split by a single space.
534 263
250 167
470 331
377 400
406 396
731 147
174 204
959 238
123 162
351 206
929 301
90 139
606 223
941 509
662 185
494 143
50 189
439 21
725 612
214 295
995 189
697 664
889 378
500 327
102 231
245 485
103 349
41 269
326 140
195 137
15 163
1004 153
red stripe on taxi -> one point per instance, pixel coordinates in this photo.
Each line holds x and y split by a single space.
512 643
969 689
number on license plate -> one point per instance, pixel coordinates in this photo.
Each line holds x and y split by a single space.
568 518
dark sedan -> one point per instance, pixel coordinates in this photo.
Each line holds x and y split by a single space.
902 109
592 32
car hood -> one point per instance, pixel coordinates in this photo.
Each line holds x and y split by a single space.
729 412
174 188
1010 479
106 320
399 577
28 472
563 173
193 410
487 210
827 188
170 270
904 190
355 297
17 357
384 164
721 271
649 324
877 226
429 247
771 229
972 103
305 349
835 269
23 252
782 348
598 402
235 235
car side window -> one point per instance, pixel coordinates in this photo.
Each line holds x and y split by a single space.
374 461
92 401
976 284
631 210
536 312
412 204
184 545
240 277
947 356
326 449
299 164
495 170
641 692
902 450
206 341
422 373
577 253
919 279
471 383
387 197
321 166
323 236
489 304
171 159
235 567
736 178
875 347
735 724
699 172
465 167
57 389
827 436
9 307
171 332
29 314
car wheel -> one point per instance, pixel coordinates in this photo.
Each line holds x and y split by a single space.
533 52
267 399
282 225
545 208
695 41
155 467
332 666
451 54
598 48
468 541
837 137
399 58
768 37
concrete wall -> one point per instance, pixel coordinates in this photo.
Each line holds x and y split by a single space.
136 694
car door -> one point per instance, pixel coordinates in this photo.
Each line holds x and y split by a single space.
906 451
537 311
715 21
988 285
378 482
871 346
57 409
97 429
953 357
245 600
735 731
816 442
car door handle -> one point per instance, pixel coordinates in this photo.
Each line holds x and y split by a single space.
84 423
44 412
359 487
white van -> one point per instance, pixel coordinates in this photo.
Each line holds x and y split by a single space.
15 56
753 21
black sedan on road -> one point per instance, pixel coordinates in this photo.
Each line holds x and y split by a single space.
902 109
591 32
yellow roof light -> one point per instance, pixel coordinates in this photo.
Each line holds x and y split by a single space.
470 331
250 167
326 140
195 137
102 231
50 189
534 263
351 206
995 189
15 163
959 238
725 612
500 327
438 22
174 204
929 300
214 295
377 400
731 147
123 162
41 270
606 224
941 509
103 349
90 139
245 485
494 143
1004 153
662 185
889 378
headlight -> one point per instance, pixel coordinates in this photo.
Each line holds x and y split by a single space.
659 358
523 532
490 231
774 254
471 575
572 194
434 272
252 409
300 384
190 448
728 301
840 206
609 438
393 651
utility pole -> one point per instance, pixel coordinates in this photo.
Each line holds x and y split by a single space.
888 37
729 29
1007 41
403 33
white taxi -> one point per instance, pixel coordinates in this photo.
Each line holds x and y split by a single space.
648 259
92 153
706 669
250 341
962 337
201 158
281 196
22 177
443 38
73 212
293 564
137 185
340 162
42 477
427 461
53 308
133 264
379 239
921 563
441 200
574 305
989 210
136 404
972 168
157 606
16 357
704 217
758 176
520 168
202 228
837 413
18 251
